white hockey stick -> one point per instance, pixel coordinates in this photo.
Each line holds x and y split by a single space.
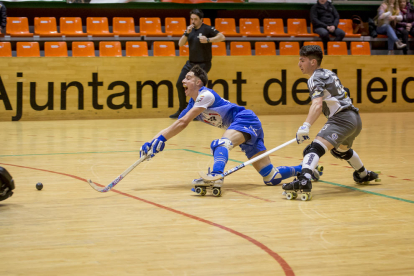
204 176
119 178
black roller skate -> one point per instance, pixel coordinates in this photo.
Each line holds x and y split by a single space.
369 177
301 184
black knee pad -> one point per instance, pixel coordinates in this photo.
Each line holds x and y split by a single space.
6 184
342 155
314 148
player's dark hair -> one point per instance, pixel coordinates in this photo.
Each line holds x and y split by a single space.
200 73
312 52
197 12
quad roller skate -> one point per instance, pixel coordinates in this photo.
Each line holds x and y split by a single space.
300 184
369 177
317 173
201 185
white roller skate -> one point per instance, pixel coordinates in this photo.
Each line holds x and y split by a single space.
201 185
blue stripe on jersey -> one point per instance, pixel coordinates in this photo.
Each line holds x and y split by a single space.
220 114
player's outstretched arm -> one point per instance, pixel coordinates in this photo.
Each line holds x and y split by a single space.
314 112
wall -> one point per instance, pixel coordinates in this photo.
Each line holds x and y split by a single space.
89 88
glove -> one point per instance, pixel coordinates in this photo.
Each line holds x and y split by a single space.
303 133
155 146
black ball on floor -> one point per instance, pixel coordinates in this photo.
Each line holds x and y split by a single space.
39 186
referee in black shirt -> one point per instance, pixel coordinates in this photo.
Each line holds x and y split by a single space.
199 37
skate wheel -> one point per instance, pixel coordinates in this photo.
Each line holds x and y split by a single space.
203 192
320 169
290 196
305 197
378 180
216 192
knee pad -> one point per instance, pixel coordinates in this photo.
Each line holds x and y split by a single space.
342 155
273 178
314 148
222 142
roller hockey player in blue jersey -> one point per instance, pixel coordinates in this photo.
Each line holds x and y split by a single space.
242 128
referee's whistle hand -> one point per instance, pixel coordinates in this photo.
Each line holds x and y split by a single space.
203 39
190 28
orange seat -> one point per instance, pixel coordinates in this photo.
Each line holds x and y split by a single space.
5 49
265 48
297 27
18 26
46 26
164 49
97 26
175 26
124 26
219 49
27 49
184 50
150 26
241 48
83 49
71 26
359 48
56 49
110 49
337 48
289 48
319 43
227 26
136 49
207 21
250 27
346 26
274 27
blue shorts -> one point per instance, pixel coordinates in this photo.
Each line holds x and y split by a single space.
246 121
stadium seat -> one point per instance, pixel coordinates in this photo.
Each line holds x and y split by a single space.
110 49
124 26
83 49
319 43
184 51
219 49
265 48
359 48
346 26
164 49
274 27
207 21
5 49
56 49
175 26
136 49
71 26
240 48
27 49
46 26
227 26
150 26
297 27
337 48
18 26
289 48
98 26
250 27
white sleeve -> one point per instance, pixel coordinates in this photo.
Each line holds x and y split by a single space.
205 99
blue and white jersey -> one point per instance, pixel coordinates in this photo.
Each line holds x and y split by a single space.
219 112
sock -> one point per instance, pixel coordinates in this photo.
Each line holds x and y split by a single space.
356 163
310 161
221 156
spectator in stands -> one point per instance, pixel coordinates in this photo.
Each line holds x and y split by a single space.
199 37
3 18
405 27
325 19
388 15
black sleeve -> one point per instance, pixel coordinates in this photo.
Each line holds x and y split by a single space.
3 22
212 32
314 18
336 15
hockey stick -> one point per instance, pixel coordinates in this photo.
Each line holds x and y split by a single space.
204 176
119 178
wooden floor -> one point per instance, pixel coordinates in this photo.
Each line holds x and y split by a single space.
152 224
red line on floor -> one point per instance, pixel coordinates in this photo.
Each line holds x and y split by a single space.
285 266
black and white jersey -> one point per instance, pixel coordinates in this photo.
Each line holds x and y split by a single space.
325 83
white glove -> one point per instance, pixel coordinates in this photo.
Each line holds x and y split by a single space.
303 133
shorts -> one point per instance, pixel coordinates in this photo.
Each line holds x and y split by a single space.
247 122
342 128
